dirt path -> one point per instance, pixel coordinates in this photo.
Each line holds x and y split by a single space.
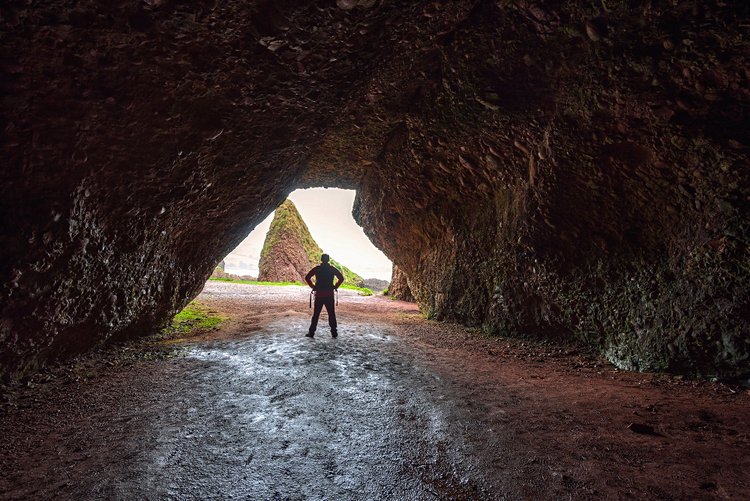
396 408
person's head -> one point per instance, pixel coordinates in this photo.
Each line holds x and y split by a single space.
325 258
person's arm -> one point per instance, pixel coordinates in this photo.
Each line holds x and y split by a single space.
308 277
339 278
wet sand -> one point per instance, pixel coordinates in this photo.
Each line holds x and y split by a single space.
398 407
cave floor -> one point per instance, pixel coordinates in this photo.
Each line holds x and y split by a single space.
398 407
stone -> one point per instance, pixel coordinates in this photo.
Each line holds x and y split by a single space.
593 32
376 284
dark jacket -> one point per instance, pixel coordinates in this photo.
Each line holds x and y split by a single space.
324 274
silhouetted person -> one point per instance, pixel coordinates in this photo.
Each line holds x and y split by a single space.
324 288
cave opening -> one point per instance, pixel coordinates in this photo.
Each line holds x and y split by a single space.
327 216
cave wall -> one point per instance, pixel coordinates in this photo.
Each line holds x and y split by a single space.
142 140
536 168
585 177
399 286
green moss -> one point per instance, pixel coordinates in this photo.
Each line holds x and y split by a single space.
193 319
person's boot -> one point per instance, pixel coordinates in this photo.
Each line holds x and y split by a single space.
334 334
310 334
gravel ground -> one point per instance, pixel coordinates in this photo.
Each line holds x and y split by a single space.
397 407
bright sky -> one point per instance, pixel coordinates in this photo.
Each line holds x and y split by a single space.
328 214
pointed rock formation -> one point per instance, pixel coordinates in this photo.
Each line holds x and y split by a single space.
290 251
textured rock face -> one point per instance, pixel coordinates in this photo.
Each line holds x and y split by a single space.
399 287
141 142
587 176
545 168
290 251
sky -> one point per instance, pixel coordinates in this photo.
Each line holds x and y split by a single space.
328 214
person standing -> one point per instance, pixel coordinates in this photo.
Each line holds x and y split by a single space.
324 291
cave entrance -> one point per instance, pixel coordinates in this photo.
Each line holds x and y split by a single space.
327 214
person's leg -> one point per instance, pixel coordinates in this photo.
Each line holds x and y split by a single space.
316 313
331 309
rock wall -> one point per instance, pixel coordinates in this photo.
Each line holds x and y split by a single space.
142 141
585 176
538 168
399 287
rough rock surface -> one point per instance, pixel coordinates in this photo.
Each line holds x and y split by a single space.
399 287
290 251
540 168
573 171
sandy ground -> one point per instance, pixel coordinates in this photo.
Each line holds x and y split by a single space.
397 407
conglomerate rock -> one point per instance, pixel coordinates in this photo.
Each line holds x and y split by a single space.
538 168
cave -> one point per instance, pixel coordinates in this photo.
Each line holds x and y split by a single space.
560 172
583 168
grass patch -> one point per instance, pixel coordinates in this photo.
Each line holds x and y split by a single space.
193 319
363 291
